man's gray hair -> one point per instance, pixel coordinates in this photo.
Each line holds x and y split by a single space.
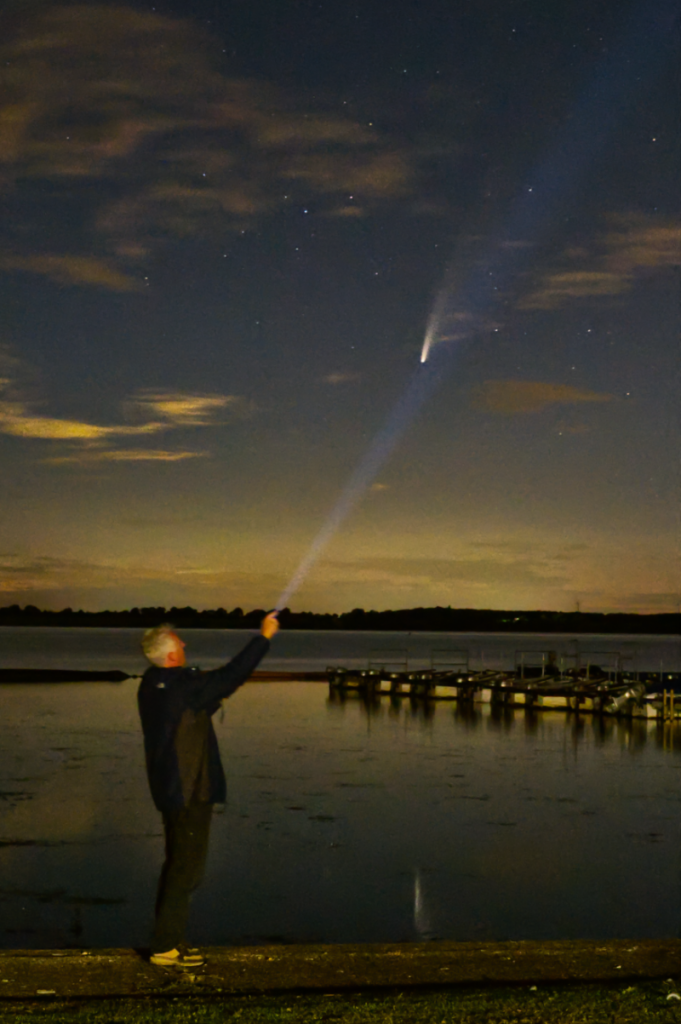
157 642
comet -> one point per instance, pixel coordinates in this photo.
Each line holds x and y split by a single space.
427 342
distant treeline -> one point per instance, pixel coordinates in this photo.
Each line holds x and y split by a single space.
461 620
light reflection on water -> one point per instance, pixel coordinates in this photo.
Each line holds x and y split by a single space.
345 822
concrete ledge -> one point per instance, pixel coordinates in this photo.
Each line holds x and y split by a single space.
113 973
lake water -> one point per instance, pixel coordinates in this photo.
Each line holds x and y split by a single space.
343 822
313 650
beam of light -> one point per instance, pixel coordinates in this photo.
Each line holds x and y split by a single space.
422 384
460 313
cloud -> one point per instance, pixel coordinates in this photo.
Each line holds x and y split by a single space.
522 572
641 603
637 242
22 573
55 582
139 103
505 549
348 211
87 270
310 129
124 455
11 368
403 577
372 175
163 411
634 246
17 421
577 284
186 409
341 378
420 573
162 519
522 396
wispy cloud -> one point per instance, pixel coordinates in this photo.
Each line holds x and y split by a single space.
371 176
558 288
88 442
420 573
190 409
505 550
643 603
16 419
99 93
340 377
88 270
55 581
25 572
28 572
124 455
524 396
348 211
521 573
311 131
636 242
634 246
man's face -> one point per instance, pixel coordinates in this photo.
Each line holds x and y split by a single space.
175 657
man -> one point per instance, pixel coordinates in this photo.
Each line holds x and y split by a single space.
184 769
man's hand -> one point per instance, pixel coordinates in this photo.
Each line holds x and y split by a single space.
269 625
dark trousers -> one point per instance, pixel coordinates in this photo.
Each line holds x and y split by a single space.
186 833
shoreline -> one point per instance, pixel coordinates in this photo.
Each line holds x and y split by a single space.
50 975
557 634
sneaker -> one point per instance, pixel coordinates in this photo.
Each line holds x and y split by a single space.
174 958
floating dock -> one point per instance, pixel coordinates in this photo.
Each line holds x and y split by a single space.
590 688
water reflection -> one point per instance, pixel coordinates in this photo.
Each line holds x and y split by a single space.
422 919
501 717
629 733
468 714
348 819
421 710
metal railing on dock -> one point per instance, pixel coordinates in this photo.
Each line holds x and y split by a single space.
453 660
392 660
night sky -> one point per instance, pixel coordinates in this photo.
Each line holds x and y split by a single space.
224 228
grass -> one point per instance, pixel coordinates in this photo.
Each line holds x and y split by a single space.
583 1004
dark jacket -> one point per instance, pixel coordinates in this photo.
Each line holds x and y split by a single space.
175 706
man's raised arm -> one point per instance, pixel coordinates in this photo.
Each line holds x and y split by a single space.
222 682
